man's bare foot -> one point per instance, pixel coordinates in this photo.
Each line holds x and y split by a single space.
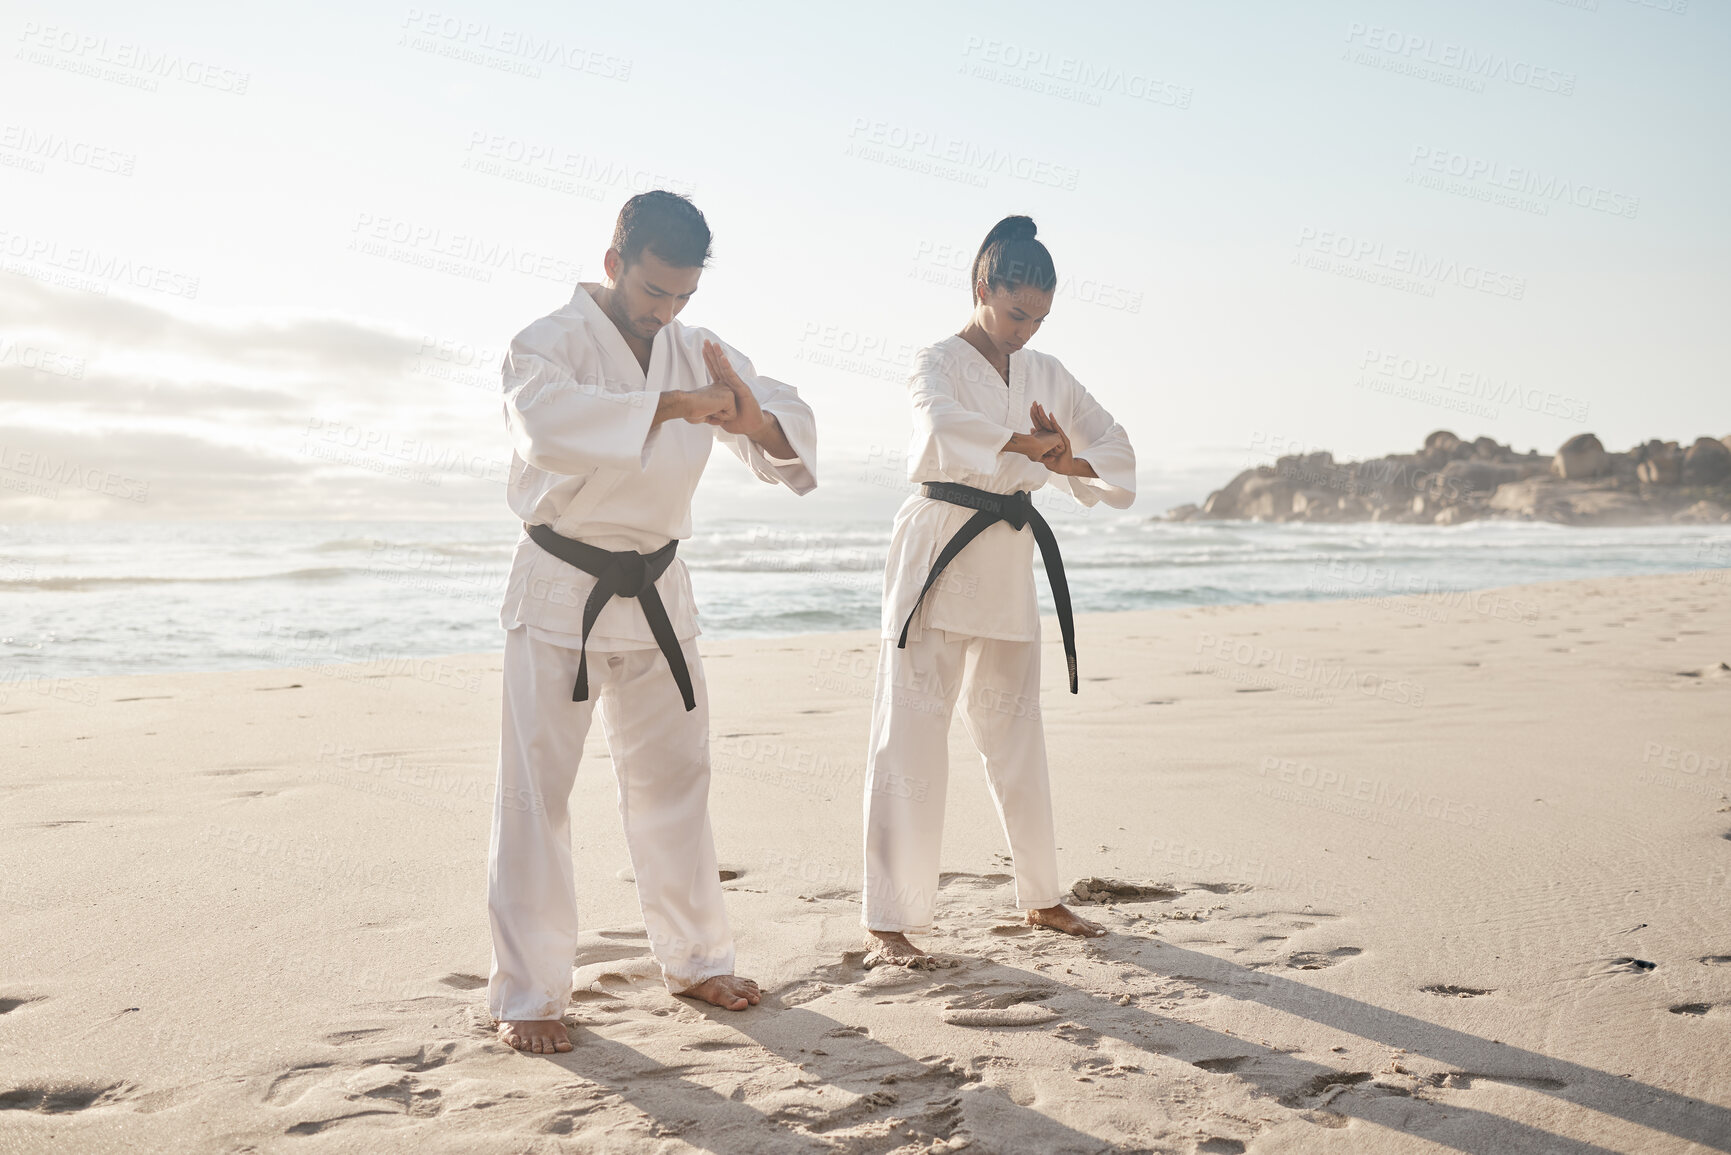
1062 918
727 991
537 1036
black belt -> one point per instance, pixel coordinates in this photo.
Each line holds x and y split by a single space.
1017 509
624 574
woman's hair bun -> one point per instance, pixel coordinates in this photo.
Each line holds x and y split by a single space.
1012 255
1013 229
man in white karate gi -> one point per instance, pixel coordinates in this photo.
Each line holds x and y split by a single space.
613 407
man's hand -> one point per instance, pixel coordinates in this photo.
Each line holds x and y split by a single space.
746 417
1034 446
710 405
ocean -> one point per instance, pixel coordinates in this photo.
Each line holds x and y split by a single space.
95 598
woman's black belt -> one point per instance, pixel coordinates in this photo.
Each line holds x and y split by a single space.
1017 509
624 574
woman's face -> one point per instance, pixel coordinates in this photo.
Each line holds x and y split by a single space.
1011 317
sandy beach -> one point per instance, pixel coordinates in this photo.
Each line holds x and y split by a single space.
1445 873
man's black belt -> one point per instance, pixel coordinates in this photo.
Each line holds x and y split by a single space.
622 574
1018 510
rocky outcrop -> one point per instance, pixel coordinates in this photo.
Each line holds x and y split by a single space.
1708 462
1659 463
1581 458
1451 480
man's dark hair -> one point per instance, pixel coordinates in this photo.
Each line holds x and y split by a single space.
1010 256
665 223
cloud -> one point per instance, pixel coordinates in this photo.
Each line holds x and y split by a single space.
118 408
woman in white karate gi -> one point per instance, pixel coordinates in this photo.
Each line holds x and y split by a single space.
993 422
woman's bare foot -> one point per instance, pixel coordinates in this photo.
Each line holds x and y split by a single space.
893 947
537 1036
729 992
1062 918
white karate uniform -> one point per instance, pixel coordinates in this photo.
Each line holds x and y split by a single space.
586 462
976 636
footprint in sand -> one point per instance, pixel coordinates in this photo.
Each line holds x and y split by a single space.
1220 1145
64 1097
951 878
7 1006
1325 1087
1451 991
1313 960
1465 1080
1634 966
463 982
1104 890
1716 960
997 1000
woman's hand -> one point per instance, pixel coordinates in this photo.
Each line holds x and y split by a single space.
1060 458
1063 459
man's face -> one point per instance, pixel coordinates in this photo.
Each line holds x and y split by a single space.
648 293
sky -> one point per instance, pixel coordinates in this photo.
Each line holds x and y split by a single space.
265 265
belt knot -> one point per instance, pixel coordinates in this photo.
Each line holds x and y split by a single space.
632 573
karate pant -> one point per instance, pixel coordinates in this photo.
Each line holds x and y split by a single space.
907 769
661 759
